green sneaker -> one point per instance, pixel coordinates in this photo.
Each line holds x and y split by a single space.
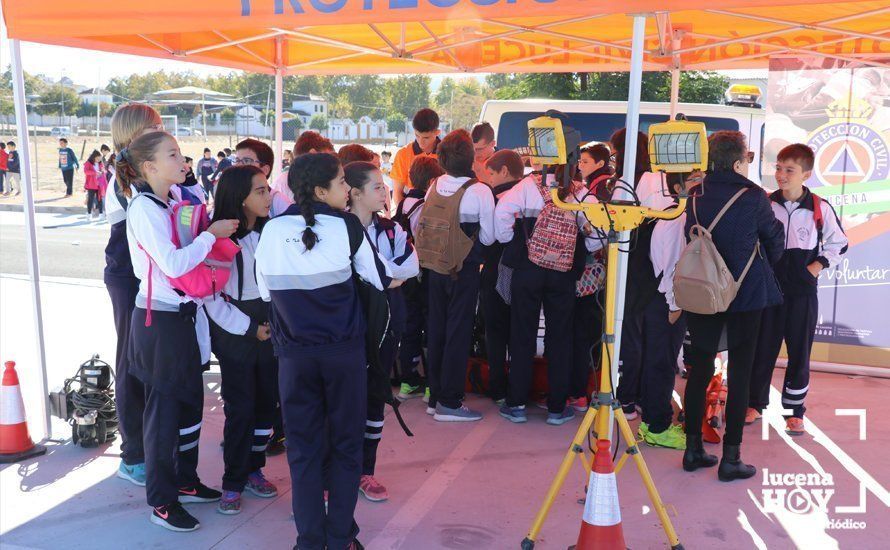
407 391
672 438
426 395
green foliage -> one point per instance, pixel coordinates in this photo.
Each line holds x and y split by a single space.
395 122
461 101
227 116
406 94
58 99
319 123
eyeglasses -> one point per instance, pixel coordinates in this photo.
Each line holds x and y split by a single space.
245 161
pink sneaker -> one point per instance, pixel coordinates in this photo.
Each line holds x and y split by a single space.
260 486
372 489
580 404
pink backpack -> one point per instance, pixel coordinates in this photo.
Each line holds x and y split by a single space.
207 278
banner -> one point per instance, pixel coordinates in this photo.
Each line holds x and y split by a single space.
842 111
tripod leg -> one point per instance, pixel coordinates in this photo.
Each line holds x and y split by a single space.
654 497
575 449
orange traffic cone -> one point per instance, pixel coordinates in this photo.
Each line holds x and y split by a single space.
15 443
601 522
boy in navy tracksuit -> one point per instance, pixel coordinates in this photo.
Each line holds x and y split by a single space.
453 297
503 170
67 164
424 170
814 240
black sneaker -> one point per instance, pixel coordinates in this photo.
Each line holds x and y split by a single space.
276 446
174 517
198 493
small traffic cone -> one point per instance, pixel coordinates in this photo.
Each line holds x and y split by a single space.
601 522
15 443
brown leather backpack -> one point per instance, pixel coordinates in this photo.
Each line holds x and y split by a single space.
441 244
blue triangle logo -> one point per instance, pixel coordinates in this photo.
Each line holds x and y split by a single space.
844 163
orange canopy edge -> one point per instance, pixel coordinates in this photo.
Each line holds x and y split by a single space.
454 36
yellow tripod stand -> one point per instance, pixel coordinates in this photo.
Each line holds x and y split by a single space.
614 218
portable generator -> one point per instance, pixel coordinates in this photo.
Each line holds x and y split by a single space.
86 402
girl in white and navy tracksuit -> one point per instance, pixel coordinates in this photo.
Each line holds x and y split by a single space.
122 286
453 299
367 197
531 287
240 335
169 337
809 237
305 263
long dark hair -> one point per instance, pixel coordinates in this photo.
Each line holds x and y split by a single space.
642 156
235 185
305 174
92 158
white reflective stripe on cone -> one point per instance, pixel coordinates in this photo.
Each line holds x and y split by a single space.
12 408
601 507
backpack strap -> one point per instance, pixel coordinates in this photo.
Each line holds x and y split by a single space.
239 264
722 211
356 234
817 214
413 208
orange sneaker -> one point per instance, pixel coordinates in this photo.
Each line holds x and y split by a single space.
794 426
752 416
372 489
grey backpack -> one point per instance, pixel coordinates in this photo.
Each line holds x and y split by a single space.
702 282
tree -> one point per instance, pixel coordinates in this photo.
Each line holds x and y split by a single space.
542 85
395 122
407 94
319 123
58 99
702 87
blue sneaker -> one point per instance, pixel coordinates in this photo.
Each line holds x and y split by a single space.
135 474
560 418
514 414
460 414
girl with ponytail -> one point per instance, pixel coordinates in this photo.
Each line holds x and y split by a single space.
129 122
305 263
169 348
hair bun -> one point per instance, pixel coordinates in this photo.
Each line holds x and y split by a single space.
123 155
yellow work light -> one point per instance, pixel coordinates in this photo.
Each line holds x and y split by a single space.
678 146
550 143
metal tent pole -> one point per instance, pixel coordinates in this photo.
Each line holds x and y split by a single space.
675 91
279 108
21 116
630 147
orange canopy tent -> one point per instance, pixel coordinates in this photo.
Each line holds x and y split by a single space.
412 36
285 37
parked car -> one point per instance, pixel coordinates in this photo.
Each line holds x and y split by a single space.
60 131
185 131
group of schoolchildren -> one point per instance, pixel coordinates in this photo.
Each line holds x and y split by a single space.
10 169
472 230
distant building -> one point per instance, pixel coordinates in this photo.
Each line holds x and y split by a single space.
310 105
94 96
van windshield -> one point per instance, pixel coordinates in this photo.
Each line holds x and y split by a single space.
513 127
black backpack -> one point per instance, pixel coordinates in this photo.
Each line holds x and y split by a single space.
375 306
404 218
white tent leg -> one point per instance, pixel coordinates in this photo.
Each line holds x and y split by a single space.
279 124
675 91
21 117
630 147
279 108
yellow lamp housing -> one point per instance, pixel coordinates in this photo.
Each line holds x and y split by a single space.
678 146
546 141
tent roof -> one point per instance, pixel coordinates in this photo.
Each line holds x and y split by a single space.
414 36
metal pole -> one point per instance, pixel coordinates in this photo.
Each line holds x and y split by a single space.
21 115
98 103
203 117
675 91
630 147
279 107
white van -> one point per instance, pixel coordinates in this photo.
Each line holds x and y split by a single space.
597 120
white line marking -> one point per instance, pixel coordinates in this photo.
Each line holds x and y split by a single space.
746 525
419 505
854 412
